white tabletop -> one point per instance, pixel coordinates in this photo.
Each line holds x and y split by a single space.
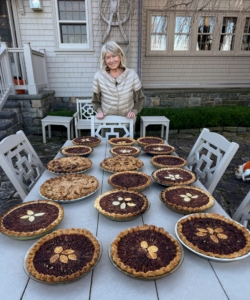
196 278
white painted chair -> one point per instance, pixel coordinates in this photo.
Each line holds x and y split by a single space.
242 214
82 117
111 124
20 162
210 156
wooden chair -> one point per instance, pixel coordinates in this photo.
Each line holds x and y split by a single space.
82 117
210 156
20 162
109 125
242 214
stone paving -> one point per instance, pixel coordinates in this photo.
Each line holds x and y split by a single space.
229 192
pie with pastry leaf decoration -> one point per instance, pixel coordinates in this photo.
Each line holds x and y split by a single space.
214 235
121 163
121 141
125 151
158 149
63 255
145 251
91 141
173 176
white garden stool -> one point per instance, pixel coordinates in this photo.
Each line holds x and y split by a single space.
163 121
56 120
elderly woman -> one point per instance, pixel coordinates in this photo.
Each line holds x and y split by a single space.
117 90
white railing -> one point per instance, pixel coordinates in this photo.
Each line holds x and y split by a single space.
22 70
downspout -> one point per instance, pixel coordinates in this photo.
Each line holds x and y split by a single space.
139 37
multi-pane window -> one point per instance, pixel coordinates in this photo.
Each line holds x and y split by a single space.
245 44
182 33
72 21
205 33
227 37
158 33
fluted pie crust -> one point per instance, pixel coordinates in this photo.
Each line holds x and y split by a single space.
168 161
159 149
122 141
173 176
69 165
214 235
141 251
66 251
125 151
146 140
76 150
91 141
121 163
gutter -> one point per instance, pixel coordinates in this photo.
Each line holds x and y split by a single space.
139 37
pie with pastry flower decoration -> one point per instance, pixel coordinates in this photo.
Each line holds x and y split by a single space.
147 140
214 235
121 163
173 176
125 151
91 141
145 251
121 141
158 149
64 255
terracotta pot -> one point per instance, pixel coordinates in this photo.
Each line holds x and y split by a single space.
21 82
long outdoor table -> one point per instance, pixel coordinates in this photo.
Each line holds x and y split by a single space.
196 278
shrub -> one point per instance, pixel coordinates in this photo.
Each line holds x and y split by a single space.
61 113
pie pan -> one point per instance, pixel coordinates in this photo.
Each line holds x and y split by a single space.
75 147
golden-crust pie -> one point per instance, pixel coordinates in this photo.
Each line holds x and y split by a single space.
63 255
121 163
69 187
91 141
214 235
187 199
31 219
145 251
158 149
69 165
168 161
121 204
76 150
125 151
146 140
174 176
122 141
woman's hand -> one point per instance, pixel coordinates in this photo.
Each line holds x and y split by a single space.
100 115
130 115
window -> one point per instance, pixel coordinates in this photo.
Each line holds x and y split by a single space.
205 33
158 33
245 43
182 33
227 37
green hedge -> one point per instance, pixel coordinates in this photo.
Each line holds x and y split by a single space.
200 117
61 113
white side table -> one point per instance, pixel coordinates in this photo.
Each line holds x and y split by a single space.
163 121
56 120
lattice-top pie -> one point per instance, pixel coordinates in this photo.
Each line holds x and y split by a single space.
69 187
76 150
31 219
121 204
146 140
125 151
121 163
121 141
69 165
168 161
145 251
64 255
159 149
174 176
214 235
130 180
187 199
91 141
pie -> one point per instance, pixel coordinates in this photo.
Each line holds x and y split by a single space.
125 151
121 163
71 164
63 255
168 161
187 199
143 141
130 180
145 251
214 235
157 149
121 204
69 187
31 219
121 141
91 141
173 176
76 150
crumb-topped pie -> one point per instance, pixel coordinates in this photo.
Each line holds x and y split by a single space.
187 199
79 150
67 165
168 161
121 163
146 252
63 255
131 180
69 187
146 140
158 149
214 235
91 141
125 151
173 176
121 141
31 219
121 204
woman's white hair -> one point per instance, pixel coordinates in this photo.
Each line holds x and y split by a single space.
114 49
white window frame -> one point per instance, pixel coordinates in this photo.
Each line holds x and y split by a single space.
243 52
73 46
